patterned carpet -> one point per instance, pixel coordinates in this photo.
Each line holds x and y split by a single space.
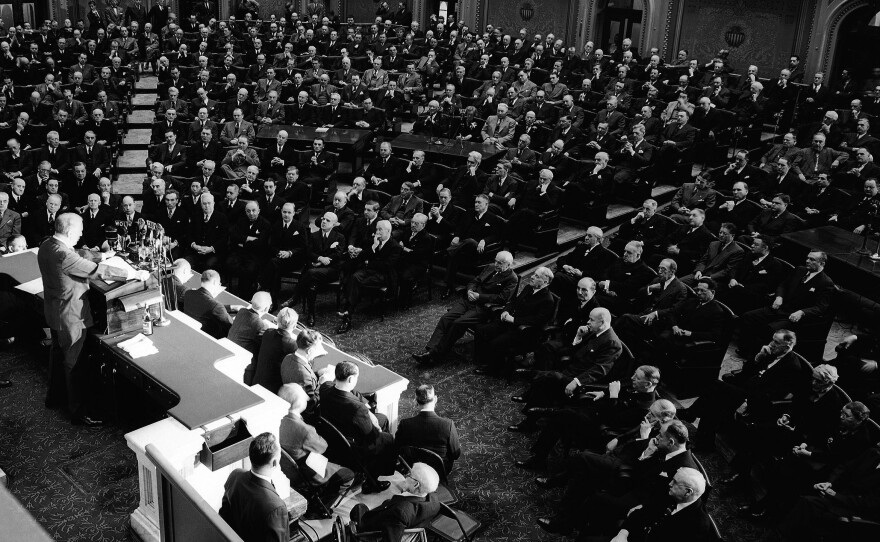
81 484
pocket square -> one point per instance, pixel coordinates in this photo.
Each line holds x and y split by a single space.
812 289
762 272
334 245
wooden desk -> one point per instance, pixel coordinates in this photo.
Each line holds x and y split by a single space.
447 148
849 270
349 142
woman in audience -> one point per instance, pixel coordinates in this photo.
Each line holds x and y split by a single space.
297 368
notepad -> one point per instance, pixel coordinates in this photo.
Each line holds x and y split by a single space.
317 463
117 262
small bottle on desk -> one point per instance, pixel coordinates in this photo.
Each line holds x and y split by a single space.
148 322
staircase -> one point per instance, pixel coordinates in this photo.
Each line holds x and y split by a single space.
131 166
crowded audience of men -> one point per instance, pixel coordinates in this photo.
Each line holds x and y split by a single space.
248 203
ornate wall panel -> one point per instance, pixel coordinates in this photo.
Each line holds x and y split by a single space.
539 16
769 29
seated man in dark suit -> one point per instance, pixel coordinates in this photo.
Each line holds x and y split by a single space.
473 232
533 307
288 248
376 265
536 198
598 349
689 513
488 291
621 406
769 376
755 279
416 245
588 259
413 507
720 260
348 412
208 235
773 222
428 430
803 301
248 248
248 326
692 319
687 243
201 305
251 505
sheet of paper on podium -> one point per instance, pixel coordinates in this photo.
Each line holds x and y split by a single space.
118 263
32 287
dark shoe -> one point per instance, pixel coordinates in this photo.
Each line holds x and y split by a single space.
547 482
541 411
378 487
518 399
525 426
526 373
423 357
5 383
88 421
310 320
532 463
447 293
553 526
344 325
485 371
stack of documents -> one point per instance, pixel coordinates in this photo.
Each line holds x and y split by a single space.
138 346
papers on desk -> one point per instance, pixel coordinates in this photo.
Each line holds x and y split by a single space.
138 346
321 130
317 463
32 287
118 263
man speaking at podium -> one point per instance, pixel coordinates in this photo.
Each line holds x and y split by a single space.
66 275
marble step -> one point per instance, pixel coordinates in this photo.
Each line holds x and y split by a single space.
135 159
142 117
130 184
137 136
148 99
147 83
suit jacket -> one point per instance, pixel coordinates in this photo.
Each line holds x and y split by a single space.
202 306
502 129
242 229
176 226
742 213
652 231
652 524
396 208
626 278
592 262
666 298
198 152
247 330
276 344
691 197
287 155
691 244
275 112
337 118
703 319
99 158
175 158
683 136
159 128
245 129
294 239
214 233
399 513
348 413
488 228
300 114
430 431
66 277
253 509
615 119
59 159
812 297
594 357
10 225
332 247
235 213
720 263
271 211
770 226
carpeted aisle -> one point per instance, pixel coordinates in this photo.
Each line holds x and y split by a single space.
81 484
